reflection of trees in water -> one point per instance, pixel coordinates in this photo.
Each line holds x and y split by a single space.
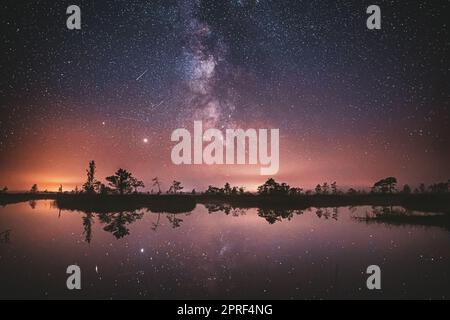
352 209
32 204
326 213
174 221
388 210
393 215
116 223
221 207
225 208
88 220
275 215
155 225
238 212
5 236
382 213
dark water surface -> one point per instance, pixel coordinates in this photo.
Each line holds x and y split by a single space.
231 254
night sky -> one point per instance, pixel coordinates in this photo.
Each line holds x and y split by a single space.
353 105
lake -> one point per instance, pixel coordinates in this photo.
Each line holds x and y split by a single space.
218 253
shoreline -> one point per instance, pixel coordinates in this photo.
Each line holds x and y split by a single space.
177 203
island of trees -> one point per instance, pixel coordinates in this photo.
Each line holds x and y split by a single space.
122 190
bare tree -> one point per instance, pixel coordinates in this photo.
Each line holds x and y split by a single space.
156 183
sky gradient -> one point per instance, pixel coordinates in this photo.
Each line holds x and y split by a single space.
352 105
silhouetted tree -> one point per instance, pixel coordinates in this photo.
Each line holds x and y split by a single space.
406 189
334 189
441 187
5 189
234 191
175 187
193 192
318 189
135 184
60 189
325 188
34 188
157 184
121 182
385 185
391 182
241 190
422 188
352 191
295 191
212 190
271 187
91 185
104 189
227 189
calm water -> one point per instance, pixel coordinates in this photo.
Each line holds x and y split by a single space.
224 254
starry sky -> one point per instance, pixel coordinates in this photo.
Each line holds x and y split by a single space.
353 105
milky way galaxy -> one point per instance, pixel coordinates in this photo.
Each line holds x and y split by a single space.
353 105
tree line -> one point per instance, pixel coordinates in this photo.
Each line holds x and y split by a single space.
123 182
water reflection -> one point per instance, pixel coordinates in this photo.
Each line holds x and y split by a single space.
394 215
221 252
117 223
277 215
327 213
32 204
88 220
174 221
155 225
225 208
5 236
